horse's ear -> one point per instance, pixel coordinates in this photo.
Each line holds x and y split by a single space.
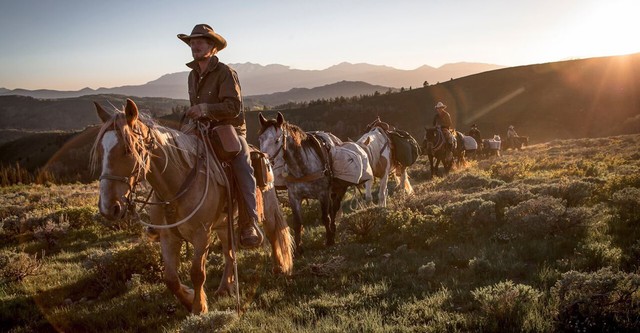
280 119
131 111
263 120
102 113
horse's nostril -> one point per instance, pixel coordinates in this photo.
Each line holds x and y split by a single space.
116 210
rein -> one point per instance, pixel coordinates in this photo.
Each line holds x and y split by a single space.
130 199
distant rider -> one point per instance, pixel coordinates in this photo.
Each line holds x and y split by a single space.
442 121
511 137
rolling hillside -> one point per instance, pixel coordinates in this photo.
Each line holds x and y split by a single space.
572 99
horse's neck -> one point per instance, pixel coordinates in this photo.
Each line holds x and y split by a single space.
302 160
167 175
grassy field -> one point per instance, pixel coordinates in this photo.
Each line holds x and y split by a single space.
540 240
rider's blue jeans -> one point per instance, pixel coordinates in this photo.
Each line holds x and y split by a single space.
243 171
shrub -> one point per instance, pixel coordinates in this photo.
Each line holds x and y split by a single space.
627 203
79 217
472 211
597 254
15 266
505 306
602 301
363 223
214 321
50 232
115 267
469 182
537 217
434 313
507 196
509 171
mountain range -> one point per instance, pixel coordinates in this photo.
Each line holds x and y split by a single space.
261 80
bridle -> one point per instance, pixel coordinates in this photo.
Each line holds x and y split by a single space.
283 147
146 143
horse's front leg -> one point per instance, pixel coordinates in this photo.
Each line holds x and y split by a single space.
228 278
296 211
198 272
170 246
326 219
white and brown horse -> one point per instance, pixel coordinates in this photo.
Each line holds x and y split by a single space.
306 173
181 173
377 144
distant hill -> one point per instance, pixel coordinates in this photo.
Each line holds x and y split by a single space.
594 97
339 89
569 99
259 80
22 112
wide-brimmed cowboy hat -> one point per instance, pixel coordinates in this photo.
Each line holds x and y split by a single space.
440 105
204 31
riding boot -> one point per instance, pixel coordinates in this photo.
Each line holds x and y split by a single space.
250 234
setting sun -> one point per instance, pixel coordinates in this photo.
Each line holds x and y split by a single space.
604 28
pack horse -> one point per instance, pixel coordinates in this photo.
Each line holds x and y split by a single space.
306 164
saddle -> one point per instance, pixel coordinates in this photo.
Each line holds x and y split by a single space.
404 147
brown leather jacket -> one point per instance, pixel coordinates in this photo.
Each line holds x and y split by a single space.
443 120
217 92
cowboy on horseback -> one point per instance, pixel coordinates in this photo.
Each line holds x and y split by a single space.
442 121
512 136
215 96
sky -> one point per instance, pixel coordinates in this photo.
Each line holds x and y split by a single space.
73 44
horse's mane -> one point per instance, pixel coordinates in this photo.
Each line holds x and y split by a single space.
178 147
296 133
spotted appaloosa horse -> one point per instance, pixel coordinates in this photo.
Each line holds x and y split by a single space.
378 146
135 149
306 172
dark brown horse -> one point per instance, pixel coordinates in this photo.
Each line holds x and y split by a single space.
436 147
516 142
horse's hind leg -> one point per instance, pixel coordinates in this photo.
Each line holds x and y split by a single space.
384 181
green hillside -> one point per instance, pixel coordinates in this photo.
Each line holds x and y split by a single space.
570 99
540 240
20 112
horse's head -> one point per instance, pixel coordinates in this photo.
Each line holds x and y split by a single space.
271 136
430 134
378 123
123 143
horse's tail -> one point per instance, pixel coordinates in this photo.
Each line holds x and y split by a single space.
404 179
277 231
